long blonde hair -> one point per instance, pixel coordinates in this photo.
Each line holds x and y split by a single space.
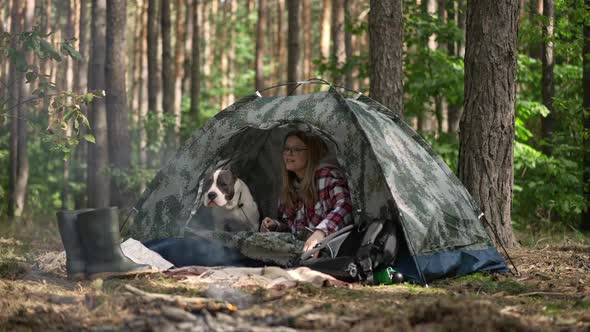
316 150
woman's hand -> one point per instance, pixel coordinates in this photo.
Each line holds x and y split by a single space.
314 239
268 225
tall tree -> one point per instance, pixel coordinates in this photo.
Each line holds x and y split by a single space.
486 149
260 36
154 77
348 78
18 154
178 67
338 43
326 28
293 67
80 84
454 112
206 21
116 99
195 66
307 42
98 183
66 81
143 90
548 86
167 78
586 87
231 54
386 41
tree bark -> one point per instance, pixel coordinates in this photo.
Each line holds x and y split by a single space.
326 28
486 149
338 43
586 89
454 112
386 41
293 63
80 84
306 19
195 66
116 100
260 36
178 68
547 84
348 77
98 184
231 54
206 21
167 81
281 58
143 90
154 77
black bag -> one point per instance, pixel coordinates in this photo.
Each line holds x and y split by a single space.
353 254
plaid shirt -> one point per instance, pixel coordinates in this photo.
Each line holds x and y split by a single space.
332 210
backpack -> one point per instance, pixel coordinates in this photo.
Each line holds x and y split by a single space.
354 253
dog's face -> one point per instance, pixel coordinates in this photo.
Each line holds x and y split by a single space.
219 188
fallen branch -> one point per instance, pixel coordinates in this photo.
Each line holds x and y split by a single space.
194 303
542 293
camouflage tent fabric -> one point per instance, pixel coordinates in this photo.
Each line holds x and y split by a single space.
393 174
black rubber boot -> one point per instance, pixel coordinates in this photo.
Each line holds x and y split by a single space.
68 230
99 234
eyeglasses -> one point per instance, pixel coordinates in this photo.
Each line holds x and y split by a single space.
293 150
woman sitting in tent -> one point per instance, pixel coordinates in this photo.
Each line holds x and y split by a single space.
315 197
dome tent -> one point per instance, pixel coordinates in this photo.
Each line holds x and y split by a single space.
393 175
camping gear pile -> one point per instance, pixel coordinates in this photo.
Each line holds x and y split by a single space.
398 185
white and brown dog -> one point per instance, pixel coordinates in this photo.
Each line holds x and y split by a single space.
233 207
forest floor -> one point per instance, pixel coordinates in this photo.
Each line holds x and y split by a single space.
552 292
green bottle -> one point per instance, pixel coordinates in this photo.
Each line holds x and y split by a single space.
384 277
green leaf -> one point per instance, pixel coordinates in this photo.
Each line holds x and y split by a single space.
68 49
90 138
31 76
69 115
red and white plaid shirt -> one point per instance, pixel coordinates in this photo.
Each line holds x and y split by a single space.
331 211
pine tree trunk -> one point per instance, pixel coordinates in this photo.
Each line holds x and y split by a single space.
548 86
195 66
188 45
281 47
178 68
231 55
386 41
338 44
98 184
154 77
461 10
586 89
207 43
326 28
260 36
454 112
307 43
143 89
116 100
80 84
486 149
293 63
348 78
167 81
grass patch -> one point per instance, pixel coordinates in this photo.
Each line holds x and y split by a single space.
12 268
488 283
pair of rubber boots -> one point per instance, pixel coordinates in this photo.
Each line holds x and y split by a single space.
92 243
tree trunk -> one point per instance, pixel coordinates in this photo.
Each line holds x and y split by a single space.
338 44
167 81
178 68
326 28
307 43
98 184
548 86
80 84
154 77
281 47
386 41
143 89
486 149
293 64
461 9
454 113
260 36
231 54
586 88
223 66
206 21
116 100
348 78
195 66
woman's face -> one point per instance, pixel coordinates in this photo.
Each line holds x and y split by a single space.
295 155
